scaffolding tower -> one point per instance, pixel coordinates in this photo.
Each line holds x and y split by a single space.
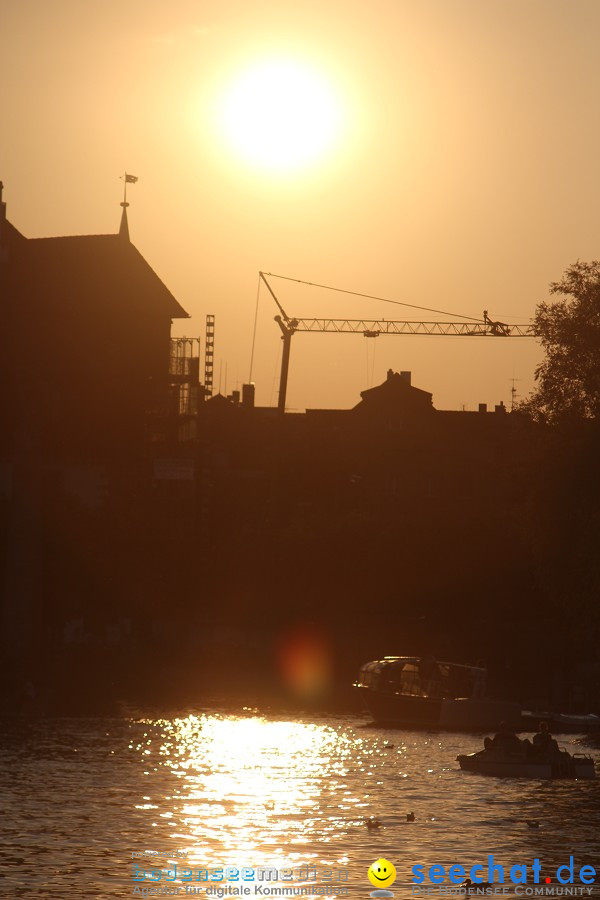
184 369
209 352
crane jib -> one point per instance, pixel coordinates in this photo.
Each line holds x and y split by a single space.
372 328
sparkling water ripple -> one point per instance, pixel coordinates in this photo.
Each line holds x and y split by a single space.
79 797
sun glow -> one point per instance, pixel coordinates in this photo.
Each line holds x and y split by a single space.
280 115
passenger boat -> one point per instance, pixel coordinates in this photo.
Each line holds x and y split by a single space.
422 692
507 765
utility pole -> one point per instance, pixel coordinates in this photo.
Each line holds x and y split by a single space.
513 393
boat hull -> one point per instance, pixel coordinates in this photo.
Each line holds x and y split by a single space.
400 710
483 763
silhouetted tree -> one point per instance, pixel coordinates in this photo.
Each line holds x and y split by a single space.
569 377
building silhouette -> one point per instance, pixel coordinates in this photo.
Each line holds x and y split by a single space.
85 344
153 540
87 381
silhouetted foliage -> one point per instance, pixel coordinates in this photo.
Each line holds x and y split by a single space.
569 377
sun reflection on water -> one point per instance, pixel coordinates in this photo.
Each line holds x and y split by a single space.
213 791
247 791
260 791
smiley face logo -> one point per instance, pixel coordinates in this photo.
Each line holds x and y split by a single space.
382 873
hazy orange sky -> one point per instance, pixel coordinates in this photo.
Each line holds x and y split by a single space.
462 173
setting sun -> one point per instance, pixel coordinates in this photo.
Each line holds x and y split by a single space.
280 115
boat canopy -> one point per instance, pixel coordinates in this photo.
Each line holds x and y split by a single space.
423 676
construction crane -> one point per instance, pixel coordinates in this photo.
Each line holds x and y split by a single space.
372 328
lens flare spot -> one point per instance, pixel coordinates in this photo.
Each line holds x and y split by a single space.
305 662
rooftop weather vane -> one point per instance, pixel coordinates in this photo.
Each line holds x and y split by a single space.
127 179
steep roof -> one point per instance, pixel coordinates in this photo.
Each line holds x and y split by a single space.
9 234
101 268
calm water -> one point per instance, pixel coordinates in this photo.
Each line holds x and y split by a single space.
79 797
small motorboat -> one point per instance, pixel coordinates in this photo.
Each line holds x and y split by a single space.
501 764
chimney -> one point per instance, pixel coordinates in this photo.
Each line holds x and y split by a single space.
248 395
390 374
483 407
2 212
500 408
406 376
3 248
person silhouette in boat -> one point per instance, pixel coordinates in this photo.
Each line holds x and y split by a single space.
543 742
506 741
